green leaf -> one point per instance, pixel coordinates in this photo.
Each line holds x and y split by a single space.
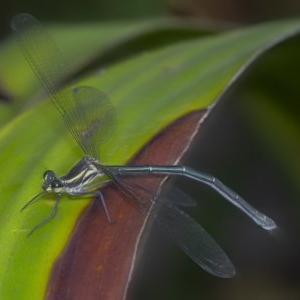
150 90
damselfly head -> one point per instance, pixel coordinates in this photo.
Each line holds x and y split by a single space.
52 183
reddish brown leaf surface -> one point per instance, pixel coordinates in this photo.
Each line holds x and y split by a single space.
99 258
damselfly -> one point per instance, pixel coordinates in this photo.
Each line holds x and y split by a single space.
89 117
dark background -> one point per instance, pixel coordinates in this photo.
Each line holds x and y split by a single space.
240 11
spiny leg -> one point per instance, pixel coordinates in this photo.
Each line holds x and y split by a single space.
49 218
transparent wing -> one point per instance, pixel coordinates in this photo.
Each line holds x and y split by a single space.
91 120
86 111
177 197
189 235
44 57
194 240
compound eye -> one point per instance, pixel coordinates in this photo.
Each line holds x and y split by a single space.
48 174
